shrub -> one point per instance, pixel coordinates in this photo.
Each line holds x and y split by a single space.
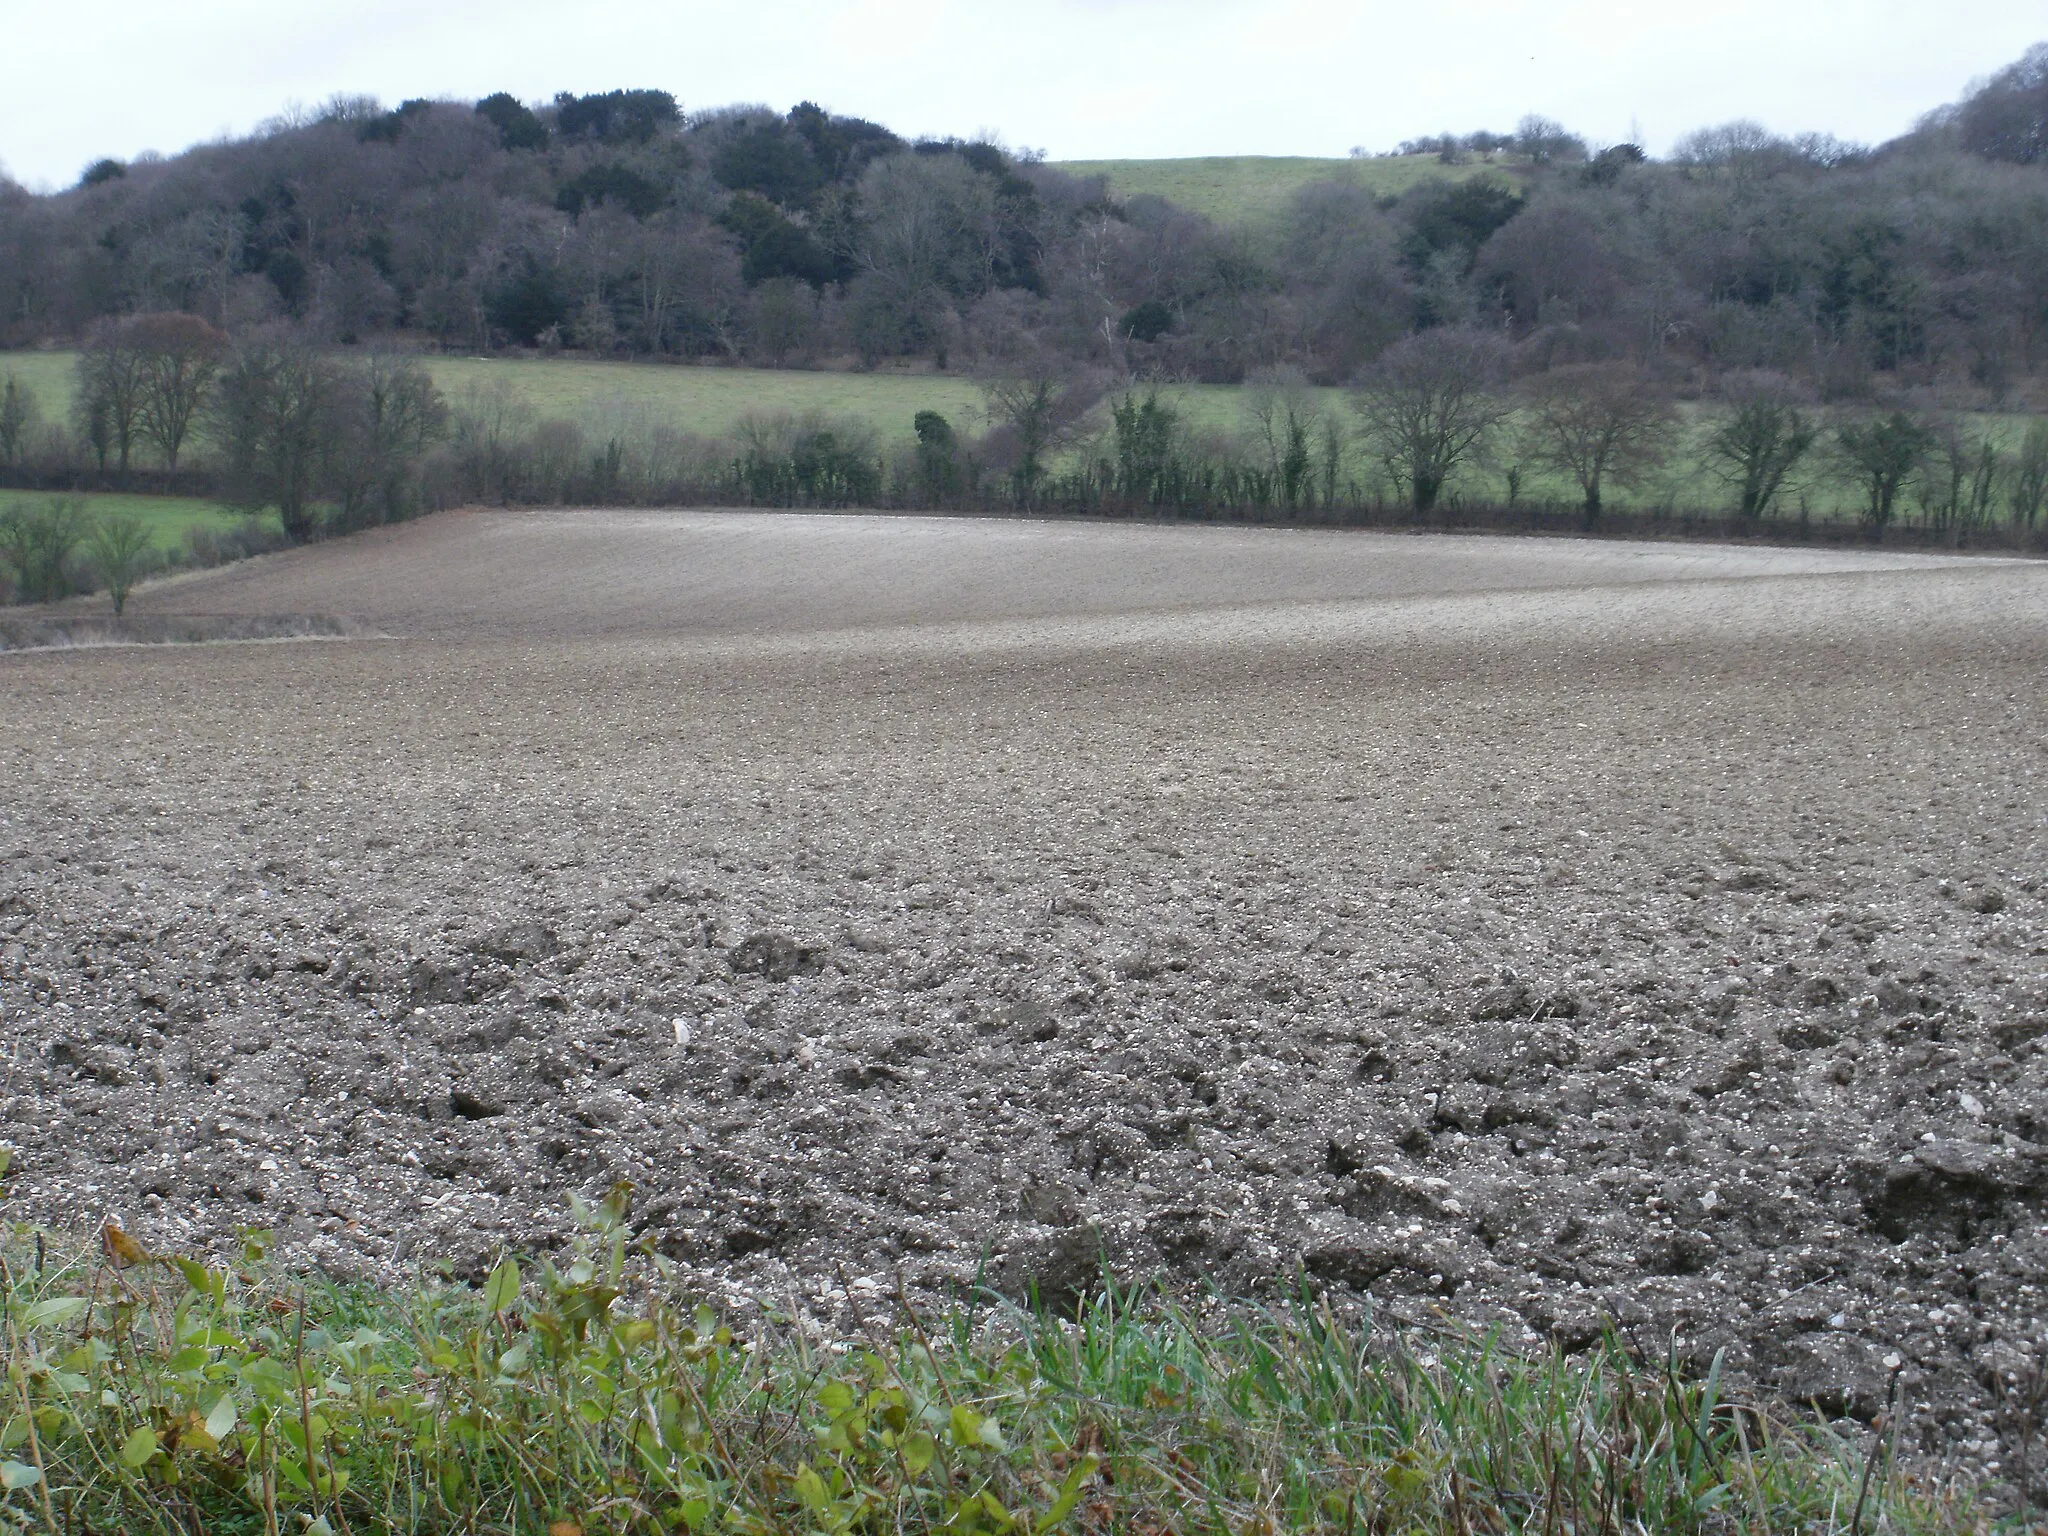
36 546
166 1393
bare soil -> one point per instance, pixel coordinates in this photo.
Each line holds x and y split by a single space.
1544 934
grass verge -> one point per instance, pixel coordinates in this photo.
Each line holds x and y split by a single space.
160 1394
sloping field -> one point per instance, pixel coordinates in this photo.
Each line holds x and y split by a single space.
549 575
1549 935
1253 189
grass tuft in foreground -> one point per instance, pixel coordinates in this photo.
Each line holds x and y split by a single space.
152 1394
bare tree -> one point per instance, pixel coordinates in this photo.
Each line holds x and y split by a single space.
17 415
2007 118
2026 488
782 320
929 235
1429 405
1033 412
387 413
1959 477
1286 419
1598 422
109 398
36 546
1758 441
274 417
1883 453
122 554
179 356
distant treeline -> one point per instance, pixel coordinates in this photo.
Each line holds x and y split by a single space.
1437 431
618 224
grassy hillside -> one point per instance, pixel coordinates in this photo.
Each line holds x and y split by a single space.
168 518
1247 189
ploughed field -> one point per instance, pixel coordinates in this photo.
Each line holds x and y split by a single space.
1538 933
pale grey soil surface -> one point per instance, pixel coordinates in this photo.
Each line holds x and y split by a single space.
1541 933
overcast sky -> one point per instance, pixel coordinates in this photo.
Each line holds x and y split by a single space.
1079 79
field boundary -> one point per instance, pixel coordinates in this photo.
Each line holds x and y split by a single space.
48 633
1490 521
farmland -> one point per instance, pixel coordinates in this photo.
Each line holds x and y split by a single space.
1549 935
632 400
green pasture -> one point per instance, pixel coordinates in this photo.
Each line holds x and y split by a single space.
1250 189
48 375
168 518
703 400
706 401
714 401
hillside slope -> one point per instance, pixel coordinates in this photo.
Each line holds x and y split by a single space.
1247 189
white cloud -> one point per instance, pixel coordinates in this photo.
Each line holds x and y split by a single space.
1079 78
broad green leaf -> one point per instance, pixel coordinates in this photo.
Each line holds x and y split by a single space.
918 1450
836 1398
1070 1493
89 1354
971 1429
220 1418
502 1289
58 1309
513 1361
268 1379
138 1448
18 1474
811 1488
204 1281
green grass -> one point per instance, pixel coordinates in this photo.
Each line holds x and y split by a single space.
1252 189
706 401
168 518
50 376
170 1396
